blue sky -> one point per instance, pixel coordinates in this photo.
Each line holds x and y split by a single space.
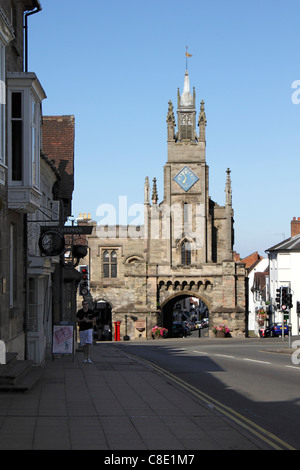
116 64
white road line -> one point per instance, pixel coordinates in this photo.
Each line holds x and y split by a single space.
243 359
225 355
254 360
293 367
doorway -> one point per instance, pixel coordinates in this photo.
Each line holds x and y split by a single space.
191 311
103 327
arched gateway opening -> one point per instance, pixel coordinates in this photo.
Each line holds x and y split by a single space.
187 309
103 327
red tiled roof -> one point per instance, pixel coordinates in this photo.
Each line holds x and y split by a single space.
251 260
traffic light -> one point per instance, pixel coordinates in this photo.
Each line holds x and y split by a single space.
278 298
290 299
84 283
284 298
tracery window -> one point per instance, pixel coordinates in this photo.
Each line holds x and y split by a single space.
186 253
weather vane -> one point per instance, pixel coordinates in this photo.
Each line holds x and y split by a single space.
186 56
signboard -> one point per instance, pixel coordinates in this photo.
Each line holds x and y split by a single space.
72 229
63 338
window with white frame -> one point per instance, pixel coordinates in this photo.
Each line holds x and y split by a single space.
24 130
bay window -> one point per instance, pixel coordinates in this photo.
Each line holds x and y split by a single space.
25 95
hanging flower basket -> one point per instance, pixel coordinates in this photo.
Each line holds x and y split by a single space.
261 317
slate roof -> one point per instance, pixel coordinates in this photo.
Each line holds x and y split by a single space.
291 244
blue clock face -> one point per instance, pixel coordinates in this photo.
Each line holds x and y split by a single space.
186 178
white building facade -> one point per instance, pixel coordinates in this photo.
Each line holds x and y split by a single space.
284 264
256 298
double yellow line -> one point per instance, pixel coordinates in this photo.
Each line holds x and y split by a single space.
259 432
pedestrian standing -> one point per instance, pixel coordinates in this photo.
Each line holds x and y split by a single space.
86 320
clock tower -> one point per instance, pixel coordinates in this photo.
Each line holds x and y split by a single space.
186 188
183 250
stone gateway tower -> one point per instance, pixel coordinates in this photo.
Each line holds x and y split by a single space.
184 249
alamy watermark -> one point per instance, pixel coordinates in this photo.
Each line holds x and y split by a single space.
2 352
296 93
158 222
296 353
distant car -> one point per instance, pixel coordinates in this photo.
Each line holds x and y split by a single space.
179 330
275 329
202 323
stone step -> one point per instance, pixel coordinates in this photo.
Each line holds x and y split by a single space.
18 375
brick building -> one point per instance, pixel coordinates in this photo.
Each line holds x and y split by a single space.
184 249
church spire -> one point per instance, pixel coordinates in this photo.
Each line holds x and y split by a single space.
186 97
186 112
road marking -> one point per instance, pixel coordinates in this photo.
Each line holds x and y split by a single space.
266 436
202 352
255 360
225 355
294 367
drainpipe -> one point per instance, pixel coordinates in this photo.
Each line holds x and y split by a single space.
33 12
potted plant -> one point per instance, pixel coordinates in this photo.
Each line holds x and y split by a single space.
159 332
220 331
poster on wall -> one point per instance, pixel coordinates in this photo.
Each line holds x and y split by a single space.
63 338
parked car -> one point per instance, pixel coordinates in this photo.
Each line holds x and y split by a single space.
179 330
275 329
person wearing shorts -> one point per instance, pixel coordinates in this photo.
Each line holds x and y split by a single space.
86 319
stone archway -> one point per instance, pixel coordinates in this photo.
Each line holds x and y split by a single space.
168 311
171 291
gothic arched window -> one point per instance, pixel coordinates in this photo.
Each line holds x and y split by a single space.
186 253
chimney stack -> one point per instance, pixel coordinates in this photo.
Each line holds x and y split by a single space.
295 226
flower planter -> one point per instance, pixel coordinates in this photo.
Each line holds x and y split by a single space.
220 334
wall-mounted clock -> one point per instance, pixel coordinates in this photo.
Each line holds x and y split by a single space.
186 178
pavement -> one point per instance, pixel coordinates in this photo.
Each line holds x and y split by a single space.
117 403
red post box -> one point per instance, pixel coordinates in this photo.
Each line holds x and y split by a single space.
117 330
